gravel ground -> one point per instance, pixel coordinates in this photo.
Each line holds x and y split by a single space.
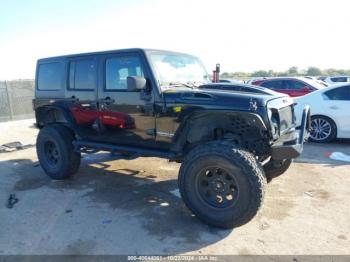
118 206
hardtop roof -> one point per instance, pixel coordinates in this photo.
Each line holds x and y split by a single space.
109 52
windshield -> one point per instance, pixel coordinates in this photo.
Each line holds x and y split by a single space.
178 70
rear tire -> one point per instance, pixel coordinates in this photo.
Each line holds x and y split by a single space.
323 129
276 168
56 152
221 184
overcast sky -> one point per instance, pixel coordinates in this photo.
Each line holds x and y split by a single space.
241 35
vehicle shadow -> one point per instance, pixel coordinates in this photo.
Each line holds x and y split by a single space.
319 153
153 201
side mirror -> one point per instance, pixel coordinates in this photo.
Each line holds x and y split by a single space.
135 83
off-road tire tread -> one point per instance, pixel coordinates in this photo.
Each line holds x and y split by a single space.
245 160
64 136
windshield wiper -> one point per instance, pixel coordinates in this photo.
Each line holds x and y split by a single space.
175 84
192 85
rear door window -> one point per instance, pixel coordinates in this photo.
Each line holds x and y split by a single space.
82 74
294 84
340 93
273 84
50 76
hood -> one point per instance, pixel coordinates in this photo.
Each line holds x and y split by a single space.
219 98
238 87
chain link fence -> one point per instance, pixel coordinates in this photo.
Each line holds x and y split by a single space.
16 100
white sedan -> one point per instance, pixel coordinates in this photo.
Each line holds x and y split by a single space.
330 112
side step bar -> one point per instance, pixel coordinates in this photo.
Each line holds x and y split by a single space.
85 146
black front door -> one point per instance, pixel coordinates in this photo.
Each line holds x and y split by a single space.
127 117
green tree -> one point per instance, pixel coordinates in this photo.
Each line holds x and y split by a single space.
293 71
313 71
261 73
271 73
226 75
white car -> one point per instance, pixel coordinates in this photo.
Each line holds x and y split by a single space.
331 80
330 112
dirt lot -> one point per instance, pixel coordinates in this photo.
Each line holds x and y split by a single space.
118 206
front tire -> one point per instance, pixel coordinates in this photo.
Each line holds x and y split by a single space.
323 129
221 184
56 152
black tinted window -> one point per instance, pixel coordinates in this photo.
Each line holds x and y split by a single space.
273 84
50 76
294 84
340 93
82 74
339 79
119 68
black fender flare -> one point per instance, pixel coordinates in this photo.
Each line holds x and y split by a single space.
198 124
63 109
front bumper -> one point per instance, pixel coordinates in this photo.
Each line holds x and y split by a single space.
290 145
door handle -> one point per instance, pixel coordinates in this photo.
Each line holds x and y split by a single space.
107 100
333 107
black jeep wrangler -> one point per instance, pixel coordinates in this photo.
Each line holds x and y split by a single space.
230 140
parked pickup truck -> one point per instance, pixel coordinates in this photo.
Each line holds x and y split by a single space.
148 103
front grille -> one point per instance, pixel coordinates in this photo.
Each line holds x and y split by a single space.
286 118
